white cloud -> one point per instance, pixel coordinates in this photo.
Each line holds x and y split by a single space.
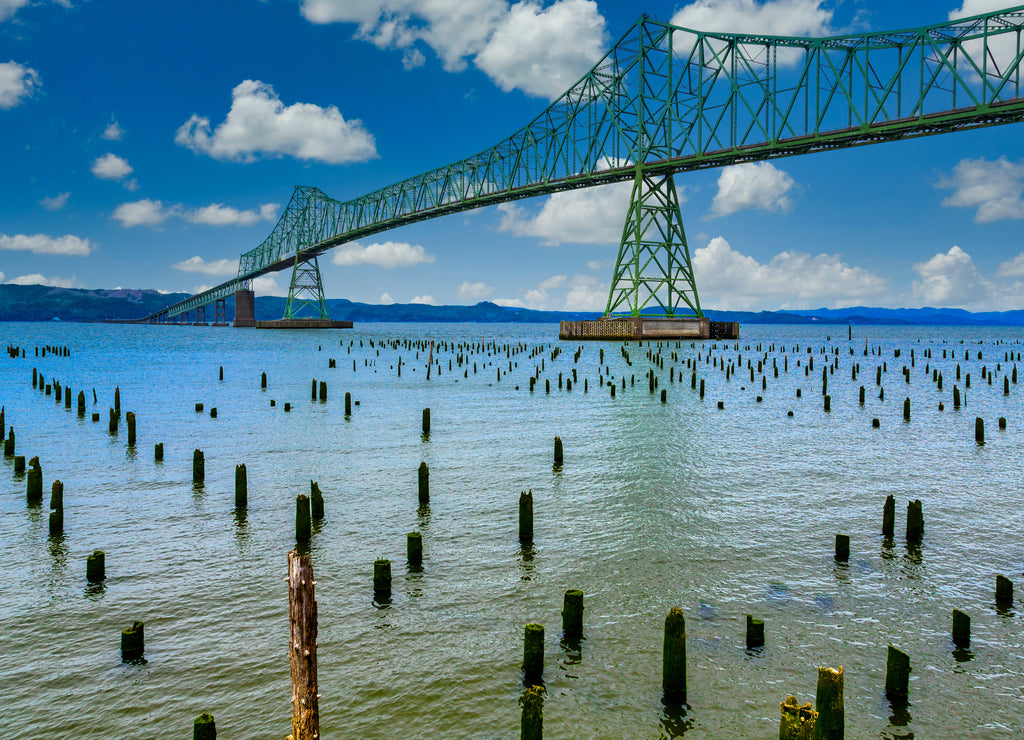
267 285
67 245
1012 268
474 291
198 264
586 216
38 279
951 280
388 255
728 279
771 18
552 283
586 293
217 214
426 300
113 131
509 302
17 82
111 167
260 124
386 299
994 188
752 185
539 50
9 7
544 51
142 213
56 202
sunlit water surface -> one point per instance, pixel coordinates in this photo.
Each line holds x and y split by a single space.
722 512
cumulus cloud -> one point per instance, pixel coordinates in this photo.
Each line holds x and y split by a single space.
66 245
993 188
1012 268
218 214
586 293
9 7
538 298
56 202
39 279
388 255
17 82
790 279
544 51
113 131
143 212
217 267
111 167
758 185
260 124
585 216
526 46
267 285
426 300
474 291
386 299
952 280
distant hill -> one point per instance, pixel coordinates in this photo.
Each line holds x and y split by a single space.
42 303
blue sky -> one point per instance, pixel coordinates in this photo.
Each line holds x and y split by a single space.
147 145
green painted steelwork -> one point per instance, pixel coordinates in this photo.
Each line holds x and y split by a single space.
672 100
306 292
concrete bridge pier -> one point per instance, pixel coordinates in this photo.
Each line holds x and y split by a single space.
245 308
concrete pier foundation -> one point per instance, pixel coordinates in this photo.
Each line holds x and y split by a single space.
649 327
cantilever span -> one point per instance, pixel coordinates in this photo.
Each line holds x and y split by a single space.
665 100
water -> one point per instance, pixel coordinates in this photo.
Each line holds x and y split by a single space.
721 512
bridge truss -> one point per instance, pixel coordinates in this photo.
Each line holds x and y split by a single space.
666 100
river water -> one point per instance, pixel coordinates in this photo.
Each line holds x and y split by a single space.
722 512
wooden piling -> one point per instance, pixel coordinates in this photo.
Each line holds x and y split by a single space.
897 675
831 721
241 486
302 619
423 483
204 727
979 430
533 652
755 632
348 404
572 614
531 725
81 403
889 516
112 421
34 485
198 467
96 567
1004 592
316 500
797 723
9 444
130 420
961 629
19 464
158 451
842 548
906 409
526 516
303 524
263 381
382 578
414 548
558 450
133 642
673 671
426 420
915 521
323 391
57 496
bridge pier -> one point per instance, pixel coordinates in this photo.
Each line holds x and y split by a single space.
220 313
245 308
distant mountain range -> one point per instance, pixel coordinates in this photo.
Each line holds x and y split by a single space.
42 303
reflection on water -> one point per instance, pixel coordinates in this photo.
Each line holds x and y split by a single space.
525 554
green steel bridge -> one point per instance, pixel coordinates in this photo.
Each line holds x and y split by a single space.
665 100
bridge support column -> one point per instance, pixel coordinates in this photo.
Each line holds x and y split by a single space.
306 292
653 270
200 315
245 308
220 313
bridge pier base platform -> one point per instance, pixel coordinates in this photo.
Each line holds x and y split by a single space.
304 324
649 327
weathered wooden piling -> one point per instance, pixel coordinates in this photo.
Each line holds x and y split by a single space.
96 567
889 516
303 523
979 430
19 464
316 500
915 521
842 548
213 412
897 675
112 421
831 721
323 391
199 408
9 444
348 404
673 669
426 420
302 619
558 450
828 403
57 496
382 578
204 727
423 483
130 421
572 614
34 484
526 516
531 725
906 409
133 642
198 467
961 629
221 373
755 632
81 403
241 486
533 652
1004 592
158 451
117 400
414 548
797 723
263 381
